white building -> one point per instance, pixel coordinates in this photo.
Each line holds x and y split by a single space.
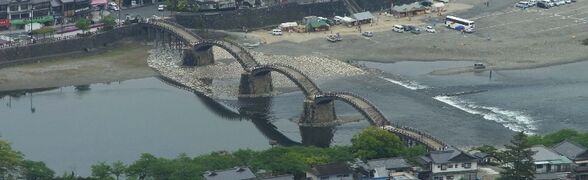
450 164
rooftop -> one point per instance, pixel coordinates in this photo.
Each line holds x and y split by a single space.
545 155
450 155
571 150
238 173
331 169
363 16
389 163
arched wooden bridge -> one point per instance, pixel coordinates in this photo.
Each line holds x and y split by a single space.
257 75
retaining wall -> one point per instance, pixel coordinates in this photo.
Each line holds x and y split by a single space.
257 18
32 52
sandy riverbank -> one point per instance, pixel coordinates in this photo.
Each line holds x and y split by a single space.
121 62
506 38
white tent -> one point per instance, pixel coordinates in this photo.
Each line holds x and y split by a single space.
438 5
288 25
347 20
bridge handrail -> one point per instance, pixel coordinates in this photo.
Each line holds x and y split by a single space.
279 65
178 26
363 99
241 49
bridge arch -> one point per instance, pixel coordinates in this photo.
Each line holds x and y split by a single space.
367 109
308 87
245 59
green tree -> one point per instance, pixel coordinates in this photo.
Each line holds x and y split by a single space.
518 159
118 168
108 21
83 24
374 143
10 160
101 171
36 170
183 5
143 167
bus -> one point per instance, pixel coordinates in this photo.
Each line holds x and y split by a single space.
460 24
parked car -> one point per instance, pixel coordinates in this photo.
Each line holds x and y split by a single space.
408 27
532 2
416 30
430 29
398 28
367 34
334 37
114 8
161 7
568 1
543 5
276 32
523 4
560 2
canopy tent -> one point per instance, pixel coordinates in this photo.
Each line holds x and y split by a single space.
317 25
438 5
287 25
99 2
347 20
363 16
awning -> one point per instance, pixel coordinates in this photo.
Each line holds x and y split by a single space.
41 20
541 162
99 2
363 16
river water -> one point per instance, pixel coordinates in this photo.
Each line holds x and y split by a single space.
70 128
537 100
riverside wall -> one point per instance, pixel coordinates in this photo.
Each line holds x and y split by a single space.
67 45
259 18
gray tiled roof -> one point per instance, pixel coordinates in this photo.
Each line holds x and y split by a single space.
544 154
362 16
331 169
449 155
230 174
389 163
282 177
570 150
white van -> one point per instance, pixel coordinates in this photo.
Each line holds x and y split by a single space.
276 32
398 28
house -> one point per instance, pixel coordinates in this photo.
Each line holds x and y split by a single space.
363 17
449 164
20 12
281 177
379 168
338 171
238 173
549 164
413 9
578 154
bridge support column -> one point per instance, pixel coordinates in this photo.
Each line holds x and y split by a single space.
194 57
260 84
318 113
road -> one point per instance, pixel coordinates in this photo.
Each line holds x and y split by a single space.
145 11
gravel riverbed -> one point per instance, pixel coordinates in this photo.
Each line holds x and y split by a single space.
222 78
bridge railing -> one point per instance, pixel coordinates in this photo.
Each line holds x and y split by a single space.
292 68
422 135
176 25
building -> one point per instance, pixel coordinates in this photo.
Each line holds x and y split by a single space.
379 168
70 10
238 173
334 171
363 17
549 164
450 164
413 9
281 177
578 154
21 12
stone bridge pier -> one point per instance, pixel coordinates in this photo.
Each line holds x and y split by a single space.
197 57
256 84
318 113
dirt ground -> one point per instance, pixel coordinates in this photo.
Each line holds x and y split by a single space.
506 38
121 62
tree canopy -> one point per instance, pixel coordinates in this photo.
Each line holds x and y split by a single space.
108 21
518 159
559 136
13 164
83 24
374 143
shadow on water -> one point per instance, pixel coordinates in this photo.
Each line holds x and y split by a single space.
258 111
